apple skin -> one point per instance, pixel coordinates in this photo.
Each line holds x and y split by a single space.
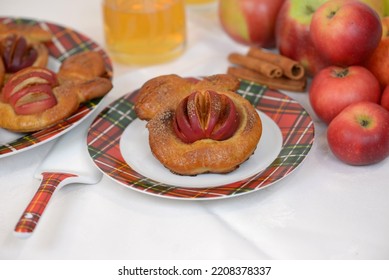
378 62
385 98
292 34
345 32
334 88
359 135
250 22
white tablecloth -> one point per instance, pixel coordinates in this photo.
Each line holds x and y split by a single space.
323 210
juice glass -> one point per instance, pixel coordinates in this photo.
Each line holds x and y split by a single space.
144 31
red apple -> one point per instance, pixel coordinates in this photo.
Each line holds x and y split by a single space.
359 135
251 22
17 53
38 99
345 32
292 33
28 76
378 63
29 90
205 115
228 120
334 88
385 98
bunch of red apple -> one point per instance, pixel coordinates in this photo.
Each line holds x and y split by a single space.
348 101
344 45
346 95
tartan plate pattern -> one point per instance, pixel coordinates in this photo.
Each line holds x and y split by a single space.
296 126
65 43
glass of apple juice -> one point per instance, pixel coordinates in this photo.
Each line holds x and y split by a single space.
141 32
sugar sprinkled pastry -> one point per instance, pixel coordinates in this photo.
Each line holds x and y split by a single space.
201 127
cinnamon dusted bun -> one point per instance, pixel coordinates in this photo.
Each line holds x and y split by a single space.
208 132
198 126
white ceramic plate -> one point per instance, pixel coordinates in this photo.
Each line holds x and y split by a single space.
135 149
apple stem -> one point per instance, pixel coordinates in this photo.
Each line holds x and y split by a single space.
331 15
309 10
341 73
364 123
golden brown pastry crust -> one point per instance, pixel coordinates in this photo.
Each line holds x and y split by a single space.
81 67
91 89
165 92
85 72
160 94
205 156
219 82
32 32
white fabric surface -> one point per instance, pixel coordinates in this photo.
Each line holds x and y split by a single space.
323 210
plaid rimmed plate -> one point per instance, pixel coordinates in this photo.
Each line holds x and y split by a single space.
65 43
295 124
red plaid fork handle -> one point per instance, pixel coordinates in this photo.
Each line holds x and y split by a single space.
51 181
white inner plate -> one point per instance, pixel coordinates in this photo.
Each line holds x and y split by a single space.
135 149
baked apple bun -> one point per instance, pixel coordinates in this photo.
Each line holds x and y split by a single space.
35 98
207 131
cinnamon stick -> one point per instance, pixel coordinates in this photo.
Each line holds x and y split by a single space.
292 69
268 69
273 83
